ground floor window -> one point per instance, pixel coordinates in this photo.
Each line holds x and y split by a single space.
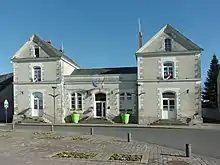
76 101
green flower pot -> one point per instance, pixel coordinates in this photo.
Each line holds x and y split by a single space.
75 117
125 118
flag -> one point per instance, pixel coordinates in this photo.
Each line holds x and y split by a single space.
94 84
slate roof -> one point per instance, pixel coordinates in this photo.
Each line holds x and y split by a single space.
96 71
180 38
5 80
176 36
51 50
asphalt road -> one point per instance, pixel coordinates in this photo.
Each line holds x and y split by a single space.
204 142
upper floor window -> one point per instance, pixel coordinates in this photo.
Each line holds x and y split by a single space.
168 70
76 101
36 51
167 45
37 73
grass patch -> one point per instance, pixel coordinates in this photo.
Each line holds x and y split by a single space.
78 155
126 157
78 138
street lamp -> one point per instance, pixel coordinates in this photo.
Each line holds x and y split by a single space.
54 103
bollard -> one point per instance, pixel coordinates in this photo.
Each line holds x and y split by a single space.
91 131
13 126
188 150
51 128
129 137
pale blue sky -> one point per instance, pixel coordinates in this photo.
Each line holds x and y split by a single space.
103 33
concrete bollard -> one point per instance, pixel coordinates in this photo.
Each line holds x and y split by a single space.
129 137
91 131
13 126
51 128
188 149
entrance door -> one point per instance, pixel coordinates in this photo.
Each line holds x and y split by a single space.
37 108
100 109
100 105
169 107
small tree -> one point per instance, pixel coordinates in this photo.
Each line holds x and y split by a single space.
210 89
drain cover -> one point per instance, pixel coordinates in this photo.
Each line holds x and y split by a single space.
177 162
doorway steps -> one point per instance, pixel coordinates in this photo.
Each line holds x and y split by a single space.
91 120
168 122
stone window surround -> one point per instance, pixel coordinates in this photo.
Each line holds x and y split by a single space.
160 98
30 93
168 59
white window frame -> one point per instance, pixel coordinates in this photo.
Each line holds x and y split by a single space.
75 95
168 68
122 96
33 73
168 45
128 96
168 101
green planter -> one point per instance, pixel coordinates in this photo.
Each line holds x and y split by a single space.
75 117
125 118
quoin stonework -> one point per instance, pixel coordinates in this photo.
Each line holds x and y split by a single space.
165 84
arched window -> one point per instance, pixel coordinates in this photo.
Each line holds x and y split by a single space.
37 73
168 70
168 44
76 101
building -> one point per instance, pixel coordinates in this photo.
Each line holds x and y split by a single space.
6 93
166 84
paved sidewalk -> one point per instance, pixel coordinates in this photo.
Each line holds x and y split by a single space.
22 148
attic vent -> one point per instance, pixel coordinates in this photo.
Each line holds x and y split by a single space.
36 51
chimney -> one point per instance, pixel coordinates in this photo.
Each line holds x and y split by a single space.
49 42
140 40
140 34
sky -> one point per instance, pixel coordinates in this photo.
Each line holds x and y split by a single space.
104 33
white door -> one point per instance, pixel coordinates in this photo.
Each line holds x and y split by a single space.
37 104
36 109
100 109
169 110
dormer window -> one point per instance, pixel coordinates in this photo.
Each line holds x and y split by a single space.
168 45
36 51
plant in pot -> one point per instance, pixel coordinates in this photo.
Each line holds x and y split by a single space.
76 116
125 117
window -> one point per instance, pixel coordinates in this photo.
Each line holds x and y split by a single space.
76 101
129 96
37 73
167 45
36 51
79 99
38 100
122 96
168 70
